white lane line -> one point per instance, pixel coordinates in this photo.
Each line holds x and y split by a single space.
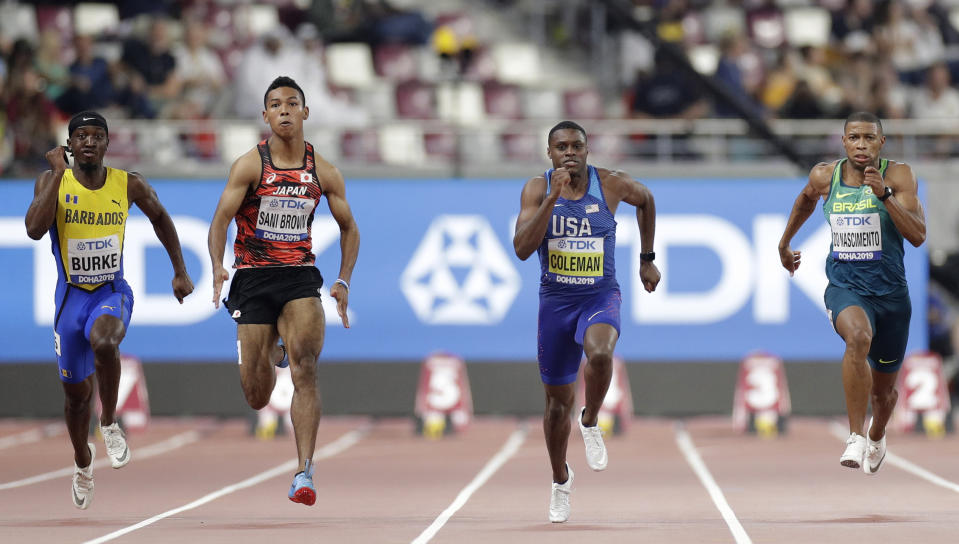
33 435
842 433
340 444
172 443
509 449
686 446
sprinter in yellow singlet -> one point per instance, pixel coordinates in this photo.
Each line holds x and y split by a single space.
85 208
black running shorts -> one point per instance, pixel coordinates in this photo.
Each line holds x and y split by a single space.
257 295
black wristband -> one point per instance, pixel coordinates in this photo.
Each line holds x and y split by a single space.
649 256
885 194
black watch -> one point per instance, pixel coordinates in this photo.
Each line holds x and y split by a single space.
885 194
649 256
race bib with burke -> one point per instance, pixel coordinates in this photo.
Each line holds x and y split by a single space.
581 257
93 260
856 237
284 219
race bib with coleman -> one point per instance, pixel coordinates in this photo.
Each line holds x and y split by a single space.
856 237
284 219
93 260
579 257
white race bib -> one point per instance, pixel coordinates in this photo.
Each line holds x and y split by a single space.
93 260
576 256
283 219
856 236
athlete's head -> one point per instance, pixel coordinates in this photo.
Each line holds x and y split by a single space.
284 105
88 138
862 139
566 146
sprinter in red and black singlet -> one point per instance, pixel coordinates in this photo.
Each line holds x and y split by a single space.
567 217
273 224
272 194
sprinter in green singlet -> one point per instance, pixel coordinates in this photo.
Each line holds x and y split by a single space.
871 204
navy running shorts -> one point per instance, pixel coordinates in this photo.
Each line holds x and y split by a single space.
563 320
889 316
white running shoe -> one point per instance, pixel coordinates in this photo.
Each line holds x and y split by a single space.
559 499
117 449
875 453
82 491
596 456
855 450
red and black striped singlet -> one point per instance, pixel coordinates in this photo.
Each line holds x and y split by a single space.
274 221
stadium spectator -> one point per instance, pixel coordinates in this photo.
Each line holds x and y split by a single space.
910 38
669 91
90 86
151 61
31 119
733 48
814 70
780 81
262 63
937 99
49 64
201 75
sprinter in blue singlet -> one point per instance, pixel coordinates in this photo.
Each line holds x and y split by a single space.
871 204
567 218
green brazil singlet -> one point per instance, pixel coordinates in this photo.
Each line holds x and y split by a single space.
866 253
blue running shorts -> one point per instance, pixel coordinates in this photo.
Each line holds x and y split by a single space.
889 316
77 309
563 320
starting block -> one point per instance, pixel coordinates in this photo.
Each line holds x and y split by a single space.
133 402
616 412
274 418
924 404
761 402
444 402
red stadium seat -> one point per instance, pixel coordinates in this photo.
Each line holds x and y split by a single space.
502 101
395 61
360 145
57 18
522 146
584 104
415 100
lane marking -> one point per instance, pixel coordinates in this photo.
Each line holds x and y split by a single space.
152 450
509 449
339 445
686 446
842 433
33 435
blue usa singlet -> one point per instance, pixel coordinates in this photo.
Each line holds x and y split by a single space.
577 253
866 253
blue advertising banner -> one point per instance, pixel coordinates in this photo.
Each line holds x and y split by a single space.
437 271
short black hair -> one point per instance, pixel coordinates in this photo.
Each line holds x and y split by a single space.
563 125
862 117
283 81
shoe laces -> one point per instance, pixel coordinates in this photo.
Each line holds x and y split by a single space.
560 497
853 438
594 436
82 481
113 438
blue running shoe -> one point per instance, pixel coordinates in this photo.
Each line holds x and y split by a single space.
302 490
285 361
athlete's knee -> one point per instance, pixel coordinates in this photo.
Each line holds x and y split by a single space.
885 396
859 340
105 347
601 360
557 409
77 401
257 397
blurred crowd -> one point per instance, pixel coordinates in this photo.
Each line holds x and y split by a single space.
804 60
174 60
206 59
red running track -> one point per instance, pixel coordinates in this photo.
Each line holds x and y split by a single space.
203 480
